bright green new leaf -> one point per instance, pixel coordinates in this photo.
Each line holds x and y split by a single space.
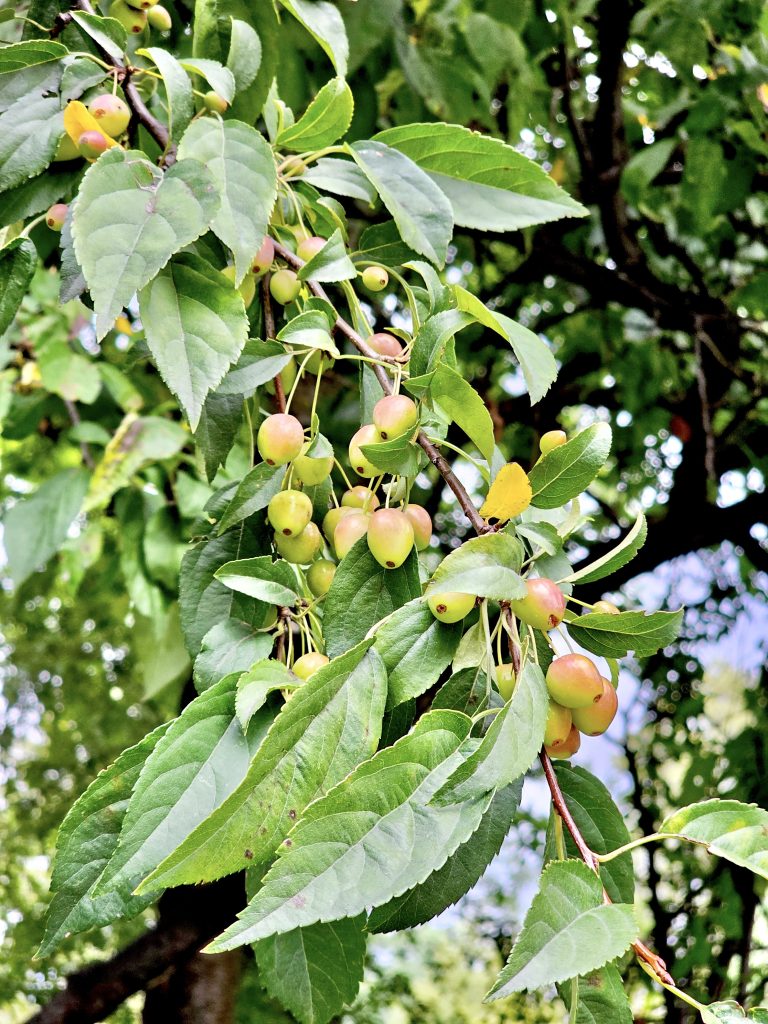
220 79
18 260
738 832
269 581
30 53
483 566
566 471
254 686
323 21
459 400
613 636
325 120
623 553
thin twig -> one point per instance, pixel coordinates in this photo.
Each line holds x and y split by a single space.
269 331
706 412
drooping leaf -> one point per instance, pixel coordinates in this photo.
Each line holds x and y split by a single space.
628 631
340 177
220 419
601 997
325 120
730 829
467 410
255 685
108 33
254 492
323 21
230 646
484 566
30 130
619 556
331 263
269 581
17 265
566 471
245 54
178 89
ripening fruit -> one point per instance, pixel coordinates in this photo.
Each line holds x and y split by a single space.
595 719
385 344
394 415
246 288
365 435
567 749
112 113
421 523
552 439
320 576
332 519
289 512
558 727
309 470
375 278
284 286
349 531
91 145
543 607
56 216
574 682
451 606
309 247
308 664
159 18
133 21
66 150
294 165
141 5
214 102
263 259
280 439
606 608
302 549
360 496
505 680
390 537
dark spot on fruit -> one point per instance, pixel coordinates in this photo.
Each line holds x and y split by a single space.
390 565
442 608
384 435
287 532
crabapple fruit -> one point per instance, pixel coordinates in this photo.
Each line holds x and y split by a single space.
606 608
309 247
56 216
367 434
451 606
573 681
505 680
215 102
385 344
310 470
349 531
280 439
320 576
308 664
552 439
375 279
159 18
263 259
558 727
289 512
91 144
543 606
284 286
390 537
301 549
394 415
567 749
421 523
133 21
595 719
360 496
112 113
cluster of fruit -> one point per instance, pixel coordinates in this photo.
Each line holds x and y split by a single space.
136 15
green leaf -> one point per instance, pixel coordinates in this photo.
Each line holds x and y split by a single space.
738 832
490 185
619 556
729 1012
19 56
371 838
601 997
199 761
242 166
459 400
160 213
230 646
331 724
568 931
421 211
269 581
314 972
259 362
220 420
255 685
613 636
482 566
220 79
566 471
433 336
325 120
397 455
196 327
309 330
362 594
465 691
245 53
382 243
86 840
601 823
30 130
331 263
108 33
323 21
510 746
35 527
178 89
35 195
415 648
69 374
18 260
459 873
341 178
254 492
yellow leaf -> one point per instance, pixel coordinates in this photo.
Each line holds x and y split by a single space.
510 493
78 119
123 325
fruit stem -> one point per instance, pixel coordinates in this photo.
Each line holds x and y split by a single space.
606 858
32 224
249 422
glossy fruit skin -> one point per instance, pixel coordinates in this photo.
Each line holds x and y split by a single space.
421 523
349 531
567 749
264 258
289 512
394 415
605 608
543 607
214 102
159 18
112 113
375 279
320 576
311 471
332 519
141 5
284 286
559 723
91 145
306 666
552 439
385 344
309 247
573 681
132 21
451 606
360 497
280 439
367 434
390 537
56 216
300 550
65 151
595 719
505 680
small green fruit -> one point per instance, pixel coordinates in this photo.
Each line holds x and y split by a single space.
141 5
214 102
421 523
574 682
567 749
133 21
365 435
66 150
605 608
558 727
505 680
349 531
159 18
375 279
289 512
385 344
595 719
280 439
543 607
332 519
552 439
264 258
112 114
319 362
362 497
320 576
390 537
56 216
311 471
451 606
287 378
306 666
92 144
304 548
247 286
393 415
284 286
309 247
